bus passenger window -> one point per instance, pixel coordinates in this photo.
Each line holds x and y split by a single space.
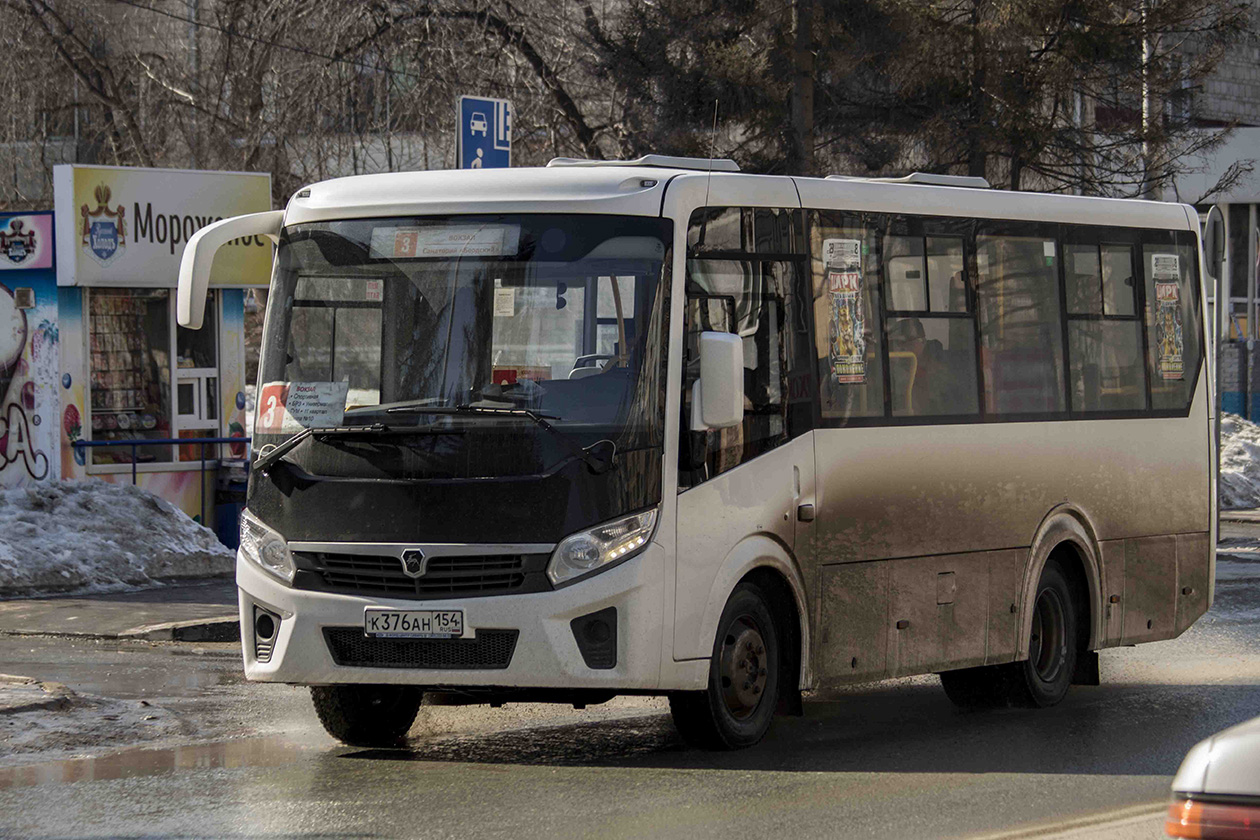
1173 333
1119 290
907 276
847 310
932 362
947 287
1107 371
1083 277
1104 336
1020 332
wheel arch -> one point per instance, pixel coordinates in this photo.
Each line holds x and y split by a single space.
1068 535
764 560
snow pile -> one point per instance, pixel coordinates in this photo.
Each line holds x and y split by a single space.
92 536
1240 463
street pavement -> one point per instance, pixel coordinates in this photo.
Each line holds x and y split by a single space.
892 760
138 613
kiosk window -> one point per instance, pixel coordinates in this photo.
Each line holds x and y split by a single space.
129 336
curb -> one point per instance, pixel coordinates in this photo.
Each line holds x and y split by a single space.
221 629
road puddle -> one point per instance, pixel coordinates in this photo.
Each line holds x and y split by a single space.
247 752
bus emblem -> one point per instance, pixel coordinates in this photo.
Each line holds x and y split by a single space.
414 563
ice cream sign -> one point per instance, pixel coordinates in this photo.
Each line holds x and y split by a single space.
121 226
26 242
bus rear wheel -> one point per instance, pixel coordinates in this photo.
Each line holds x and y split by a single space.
367 715
1044 678
736 709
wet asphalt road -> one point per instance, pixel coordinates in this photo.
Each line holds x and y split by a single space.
893 760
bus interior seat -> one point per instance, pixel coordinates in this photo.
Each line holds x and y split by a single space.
585 371
903 363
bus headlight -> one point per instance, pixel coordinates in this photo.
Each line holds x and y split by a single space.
265 548
586 551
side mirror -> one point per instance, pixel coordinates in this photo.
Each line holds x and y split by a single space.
1214 242
198 259
717 397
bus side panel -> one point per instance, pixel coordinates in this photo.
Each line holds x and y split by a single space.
756 498
1112 556
1006 579
939 611
1194 578
916 491
853 640
1150 588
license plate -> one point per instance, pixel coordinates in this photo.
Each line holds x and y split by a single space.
413 624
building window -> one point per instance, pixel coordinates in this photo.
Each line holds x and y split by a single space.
197 381
129 335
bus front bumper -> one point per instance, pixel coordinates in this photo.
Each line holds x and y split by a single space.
546 652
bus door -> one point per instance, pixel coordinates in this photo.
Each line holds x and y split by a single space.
745 482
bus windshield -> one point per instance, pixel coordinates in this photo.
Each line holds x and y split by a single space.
377 321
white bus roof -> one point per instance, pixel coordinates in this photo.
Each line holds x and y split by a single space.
624 188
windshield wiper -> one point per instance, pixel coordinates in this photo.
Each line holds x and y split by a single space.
267 457
595 465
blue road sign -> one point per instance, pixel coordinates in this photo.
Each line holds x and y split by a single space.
485 133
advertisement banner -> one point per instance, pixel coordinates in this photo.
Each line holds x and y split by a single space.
119 226
1169 338
28 350
846 328
26 242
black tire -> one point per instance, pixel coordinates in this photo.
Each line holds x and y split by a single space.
1041 680
367 715
737 708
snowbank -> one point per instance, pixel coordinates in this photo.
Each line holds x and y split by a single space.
1240 463
92 536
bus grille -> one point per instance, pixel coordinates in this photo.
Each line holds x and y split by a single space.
488 650
382 575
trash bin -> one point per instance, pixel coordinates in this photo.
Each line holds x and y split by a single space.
233 479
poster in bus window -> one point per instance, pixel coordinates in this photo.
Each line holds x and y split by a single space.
289 407
1169 341
842 260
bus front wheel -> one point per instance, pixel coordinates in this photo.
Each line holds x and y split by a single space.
1044 678
367 715
737 707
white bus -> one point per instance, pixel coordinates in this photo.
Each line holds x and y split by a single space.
658 427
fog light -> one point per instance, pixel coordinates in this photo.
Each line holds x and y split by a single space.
266 628
596 637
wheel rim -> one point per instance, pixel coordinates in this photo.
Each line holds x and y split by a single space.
1048 645
743 667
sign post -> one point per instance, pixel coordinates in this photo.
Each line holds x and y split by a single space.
484 133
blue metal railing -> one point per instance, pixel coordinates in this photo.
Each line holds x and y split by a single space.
138 442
